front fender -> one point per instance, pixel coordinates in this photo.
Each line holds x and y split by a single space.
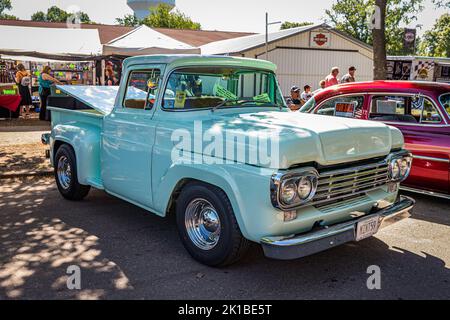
236 180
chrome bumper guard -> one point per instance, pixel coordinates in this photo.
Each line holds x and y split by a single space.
298 246
45 138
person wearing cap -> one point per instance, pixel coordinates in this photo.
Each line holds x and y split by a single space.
294 102
307 94
350 76
332 79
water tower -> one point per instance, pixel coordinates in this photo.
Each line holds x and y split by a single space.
141 8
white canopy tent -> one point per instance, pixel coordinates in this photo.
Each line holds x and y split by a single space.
143 41
49 42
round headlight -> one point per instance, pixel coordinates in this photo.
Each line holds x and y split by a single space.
395 169
288 192
405 166
305 187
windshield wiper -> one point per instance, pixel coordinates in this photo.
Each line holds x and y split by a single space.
224 102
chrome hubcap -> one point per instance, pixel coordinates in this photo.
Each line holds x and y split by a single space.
202 224
64 172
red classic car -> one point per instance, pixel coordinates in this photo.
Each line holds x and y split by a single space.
421 110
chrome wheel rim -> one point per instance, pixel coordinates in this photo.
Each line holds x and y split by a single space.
202 224
64 172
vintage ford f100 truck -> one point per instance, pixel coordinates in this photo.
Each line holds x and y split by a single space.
211 140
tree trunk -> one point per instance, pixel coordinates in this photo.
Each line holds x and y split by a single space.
379 41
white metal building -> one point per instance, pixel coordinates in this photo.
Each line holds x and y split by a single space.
304 55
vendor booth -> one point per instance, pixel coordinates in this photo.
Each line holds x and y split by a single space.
418 68
70 53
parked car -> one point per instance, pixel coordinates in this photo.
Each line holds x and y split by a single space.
421 110
323 183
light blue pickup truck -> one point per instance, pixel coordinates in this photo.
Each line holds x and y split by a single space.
210 139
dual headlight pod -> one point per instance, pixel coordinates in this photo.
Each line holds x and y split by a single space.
294 189
399 166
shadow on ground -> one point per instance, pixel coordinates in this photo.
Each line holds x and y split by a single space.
23 158
126 253
430 208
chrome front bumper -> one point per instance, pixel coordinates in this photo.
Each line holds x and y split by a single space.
45 138
293 247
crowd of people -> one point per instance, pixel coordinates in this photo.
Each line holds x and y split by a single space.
297 99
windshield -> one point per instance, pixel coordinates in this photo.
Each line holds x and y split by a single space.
309 105
445 101
221 87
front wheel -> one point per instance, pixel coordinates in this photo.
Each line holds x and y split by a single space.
208 227
66 174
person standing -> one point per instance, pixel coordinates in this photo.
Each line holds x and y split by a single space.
350 76
321 87
23 81
307 94
45 82
332 79
111 79
293 102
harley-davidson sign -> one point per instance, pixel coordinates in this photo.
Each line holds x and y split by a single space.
320 39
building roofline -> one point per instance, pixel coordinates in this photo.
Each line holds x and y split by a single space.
300 31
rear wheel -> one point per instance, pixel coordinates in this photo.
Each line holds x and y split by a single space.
208 227
66 174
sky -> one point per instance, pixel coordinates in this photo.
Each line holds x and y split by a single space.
227 15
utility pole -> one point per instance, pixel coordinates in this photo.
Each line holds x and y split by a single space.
267 33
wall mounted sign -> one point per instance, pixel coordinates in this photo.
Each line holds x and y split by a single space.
320 39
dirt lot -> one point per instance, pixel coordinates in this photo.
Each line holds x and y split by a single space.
21 150
23 158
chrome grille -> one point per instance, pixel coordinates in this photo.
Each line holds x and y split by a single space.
342 184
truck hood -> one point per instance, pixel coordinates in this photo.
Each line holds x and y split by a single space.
296 138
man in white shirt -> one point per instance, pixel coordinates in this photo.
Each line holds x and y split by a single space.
306 95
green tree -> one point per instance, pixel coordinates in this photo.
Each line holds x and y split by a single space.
129 20
56 14
442 3
6 5
39 16
162 16
436 42
351 16
290 25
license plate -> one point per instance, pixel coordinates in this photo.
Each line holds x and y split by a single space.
367 228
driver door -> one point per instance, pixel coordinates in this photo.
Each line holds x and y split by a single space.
129 135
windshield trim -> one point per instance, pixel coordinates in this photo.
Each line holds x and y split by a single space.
166 82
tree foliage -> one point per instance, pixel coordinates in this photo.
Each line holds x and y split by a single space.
436 42
162 16
56 14
6 5
442 3
351 16
290 25
129 20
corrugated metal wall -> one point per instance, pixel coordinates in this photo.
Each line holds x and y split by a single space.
298 64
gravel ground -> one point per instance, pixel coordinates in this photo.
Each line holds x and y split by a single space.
21 150
126 253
